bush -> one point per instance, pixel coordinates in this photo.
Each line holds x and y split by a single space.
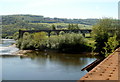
32 41
39 40
69 43
101 33
111 45
72 43
15 36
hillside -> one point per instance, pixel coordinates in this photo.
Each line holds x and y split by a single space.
12 23
12 19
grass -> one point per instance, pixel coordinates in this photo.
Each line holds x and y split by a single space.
82 26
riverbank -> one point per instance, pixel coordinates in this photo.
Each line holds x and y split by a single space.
46 64
24 52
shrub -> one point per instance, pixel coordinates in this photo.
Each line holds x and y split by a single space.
111 45
72 43
39 40
69 43
15 35
32 41
101 33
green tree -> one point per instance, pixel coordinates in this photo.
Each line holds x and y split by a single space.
69 26
16 35
111 45
33 41
53 27
101 33
73 26
39 40
77 27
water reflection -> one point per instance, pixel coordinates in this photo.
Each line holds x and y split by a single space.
45 66
60 58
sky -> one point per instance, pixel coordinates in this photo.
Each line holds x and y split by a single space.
61 8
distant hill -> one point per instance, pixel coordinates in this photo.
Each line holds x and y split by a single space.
12 19
12 23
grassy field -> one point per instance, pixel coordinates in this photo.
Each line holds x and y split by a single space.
64 25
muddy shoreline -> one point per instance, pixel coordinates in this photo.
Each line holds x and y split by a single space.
24 52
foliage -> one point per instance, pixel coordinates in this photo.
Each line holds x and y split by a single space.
15 35
53 27
12 23
69 43
32 41
117 31
101 33
39 40
73 26
9 30
73 43
111 45
66 43
13 19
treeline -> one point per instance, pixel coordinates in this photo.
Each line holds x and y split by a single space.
12 23
12 19
105 35
68 42
9 30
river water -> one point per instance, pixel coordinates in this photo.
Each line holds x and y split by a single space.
46 65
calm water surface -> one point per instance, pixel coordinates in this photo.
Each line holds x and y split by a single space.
43 65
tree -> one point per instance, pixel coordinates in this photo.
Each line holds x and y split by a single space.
77 27
53 27
117 31
73 27
69 26
111 45
16 35
101 33
32 41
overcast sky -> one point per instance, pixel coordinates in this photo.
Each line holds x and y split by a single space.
61 8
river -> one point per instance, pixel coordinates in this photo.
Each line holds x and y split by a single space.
46 65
